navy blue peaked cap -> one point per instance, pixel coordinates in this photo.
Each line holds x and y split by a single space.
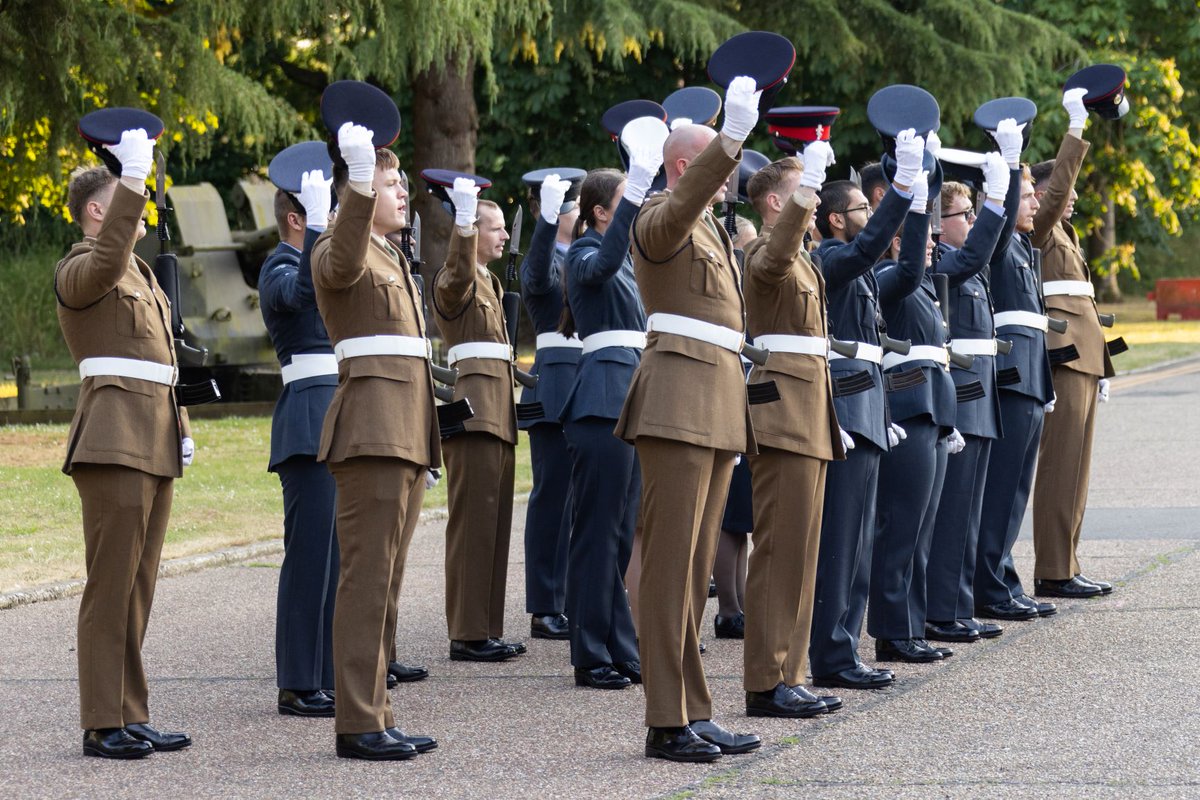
439 182
106 126
1105 84
1022 109
899 107
699 104
290 164
575 175
764 56
362 104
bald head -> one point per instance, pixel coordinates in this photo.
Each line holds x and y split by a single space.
684 144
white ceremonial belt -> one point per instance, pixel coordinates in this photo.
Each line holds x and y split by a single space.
1025 319
918 352
383 345
111 366
498 351
788 343
555 339
309 365
723 337
614 339
974 347
865 352
1073 288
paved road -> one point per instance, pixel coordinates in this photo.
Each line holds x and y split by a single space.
1097 702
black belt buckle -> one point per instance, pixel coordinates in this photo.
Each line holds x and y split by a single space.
1009 376
1116 346
528 411
909 379
197 394
451 417
1063 355
853 384
966 392
765 392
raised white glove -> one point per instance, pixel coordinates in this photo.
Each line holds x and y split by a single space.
1049 407
920 192
554 191
357 145
432 476
644 163
465 197
1076 110
135 151
817 157
955 442
187 449
847 440
933 144
1103 390
741 108
679 122
896 434
314 196
1009 139
910 156
996 177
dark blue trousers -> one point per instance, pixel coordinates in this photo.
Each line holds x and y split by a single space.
606 487
308 578
917 601
1009 479
547 521
844 559
950 577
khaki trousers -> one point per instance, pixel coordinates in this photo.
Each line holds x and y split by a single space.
125 515
479 472
789 494
683 498
378 506
1064 467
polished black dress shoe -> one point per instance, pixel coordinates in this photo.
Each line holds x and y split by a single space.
165 742
378 746
730 627
1105 586
1073 588
1041 608
679 744
782 702
422 744
114 743
986 630
518 647
549 626
952 631
905 650
314 703
630 669
730 743
857 677
712 587
480 650
404 673
944 652
601 677
1009 609
831 702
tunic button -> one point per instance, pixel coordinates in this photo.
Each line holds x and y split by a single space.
391 278
137 294
937 304
711 254
976 294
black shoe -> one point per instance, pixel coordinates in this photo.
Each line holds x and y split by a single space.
518 647
144 732
831 702
601 677
114 743
730 627
905 650
480 650
1105 586
1040 608
1072 589
953 631
422 744
313 703
712 587
944 652
679 744
1010 609
549 626
986 630
398 673
630 669
782 702
703 649
378 746
730 743
857 677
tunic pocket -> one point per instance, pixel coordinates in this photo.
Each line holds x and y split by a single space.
390 299
135 311
706 273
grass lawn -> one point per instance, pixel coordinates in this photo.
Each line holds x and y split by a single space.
1150 341
226 498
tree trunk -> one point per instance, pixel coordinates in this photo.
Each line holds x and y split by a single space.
1101 241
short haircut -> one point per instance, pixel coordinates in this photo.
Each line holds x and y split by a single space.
84 185
1027 174
871 177
489 204
743 225
834 196
384 159
1040 172
768 180
286 204
953 189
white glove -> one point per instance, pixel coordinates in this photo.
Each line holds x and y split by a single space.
679 122
465 197
847 440
741 108
910 157
818 157
955 442
314 196
933 144
357 145
1008 138
432 476
187 449
996 177
644 163
1073 103
1049 407
920 190
896 434
554 191
1103 396
135 151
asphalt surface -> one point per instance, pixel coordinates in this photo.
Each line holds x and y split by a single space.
1097 702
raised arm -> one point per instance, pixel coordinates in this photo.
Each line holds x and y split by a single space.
842 265
81 280
454 281
339 260
538 275
1057 197
899 280
772 262
976 252
591 266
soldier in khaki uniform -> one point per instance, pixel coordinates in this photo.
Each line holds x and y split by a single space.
480 460
1065 453
688 416
125 448
797 437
